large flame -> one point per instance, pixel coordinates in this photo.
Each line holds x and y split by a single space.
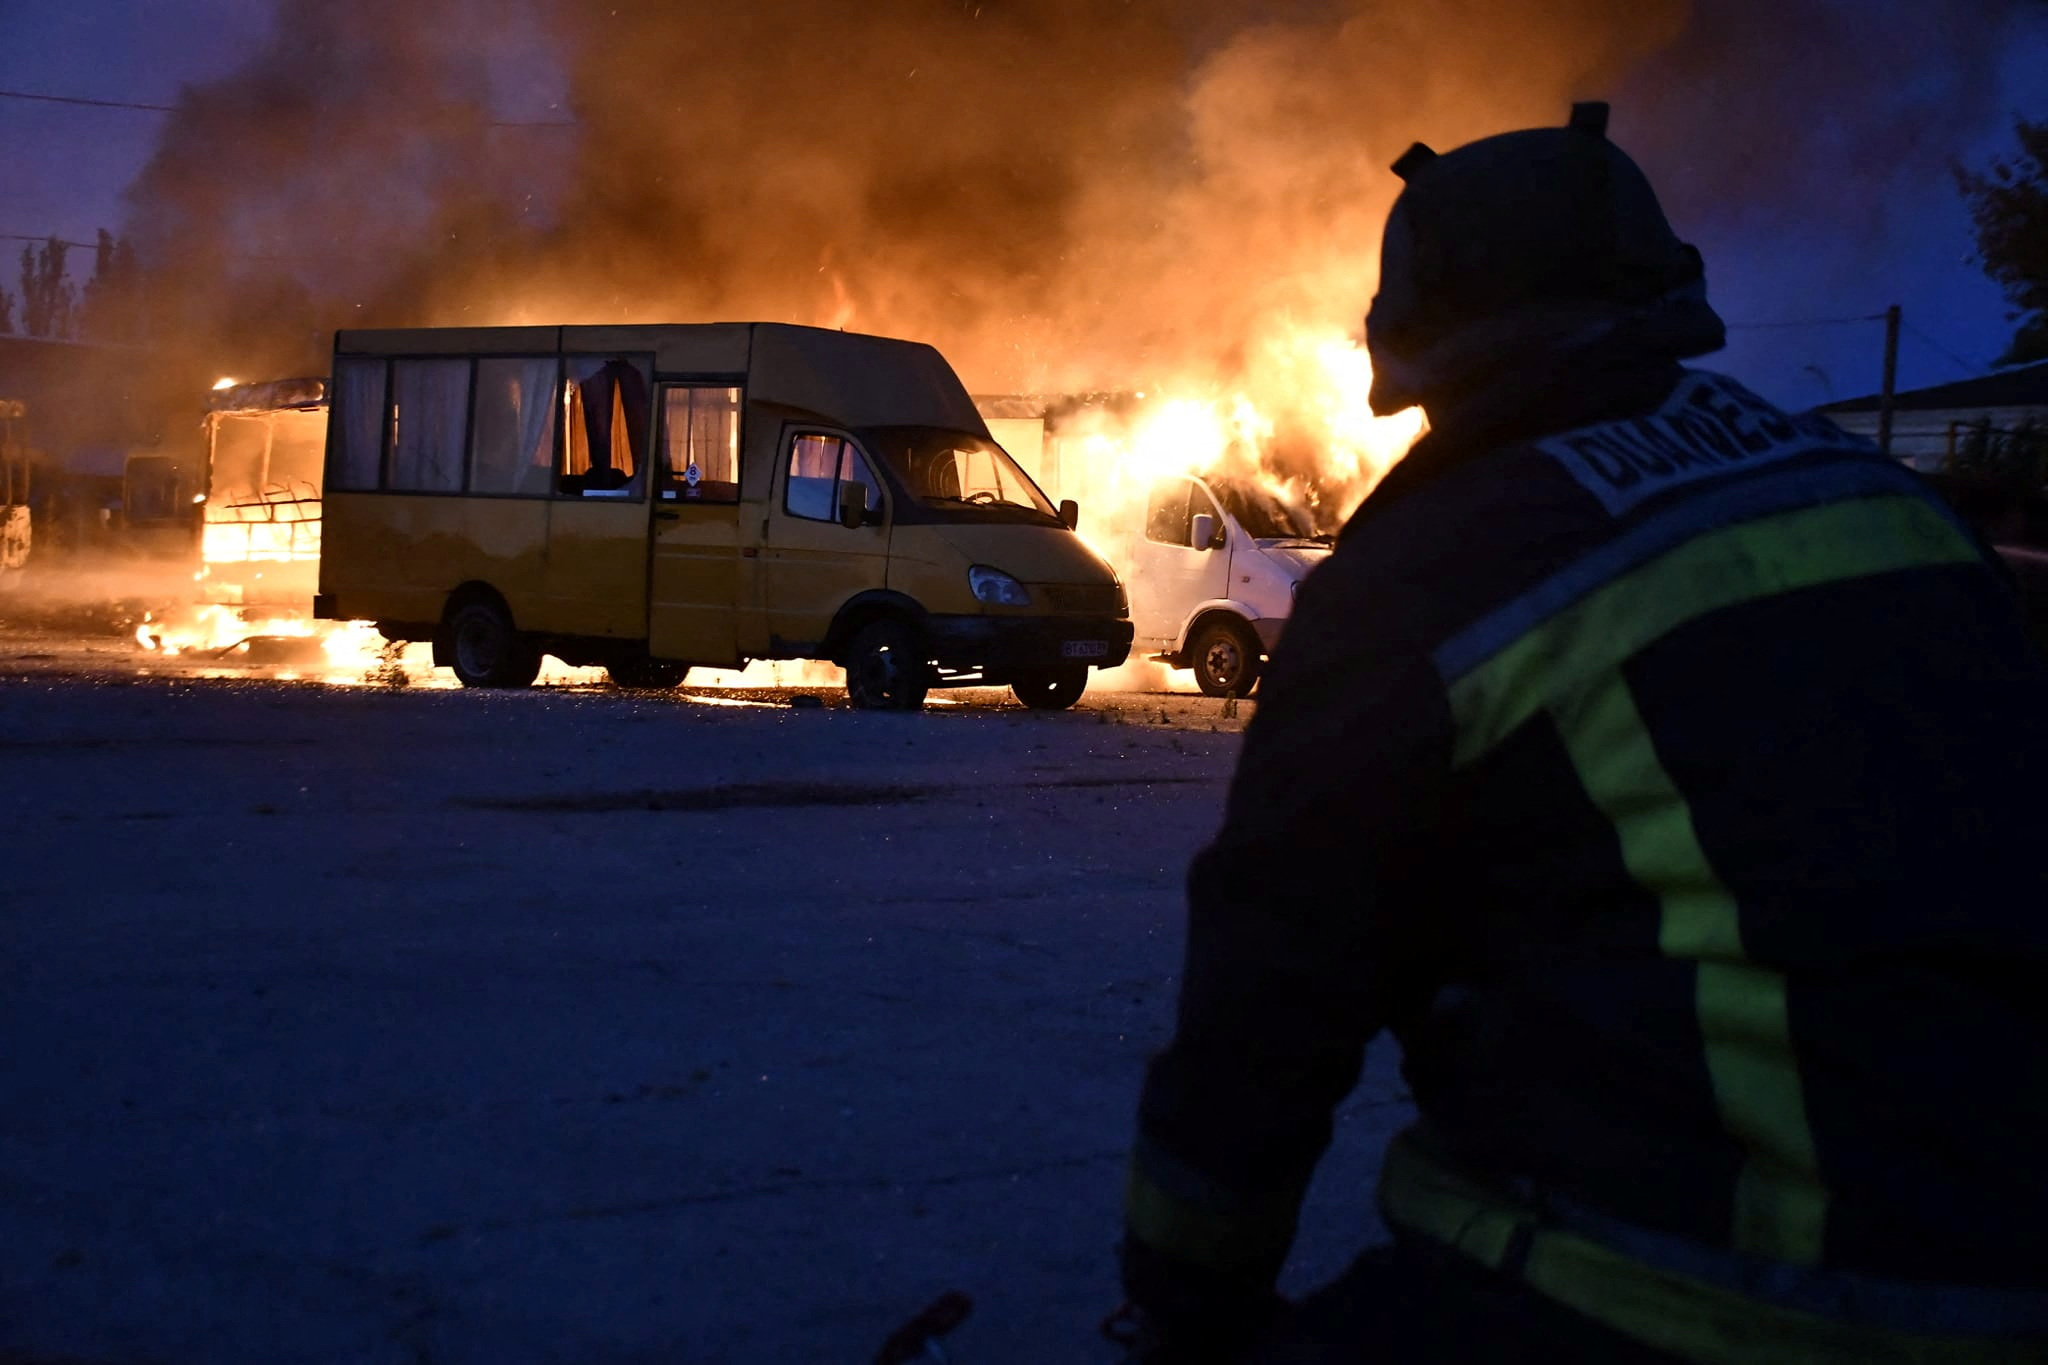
1295 421
217 640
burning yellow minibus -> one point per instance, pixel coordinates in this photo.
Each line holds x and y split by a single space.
259 541
652 498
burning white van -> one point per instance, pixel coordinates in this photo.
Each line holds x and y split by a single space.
1213 579
1211 558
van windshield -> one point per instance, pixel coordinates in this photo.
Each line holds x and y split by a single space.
952 471
1263 515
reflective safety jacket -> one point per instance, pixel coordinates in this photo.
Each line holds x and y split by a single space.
1669 780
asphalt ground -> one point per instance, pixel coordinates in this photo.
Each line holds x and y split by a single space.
365 1021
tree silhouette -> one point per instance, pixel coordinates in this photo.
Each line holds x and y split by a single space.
2016 455
2009 209
111 307
48 299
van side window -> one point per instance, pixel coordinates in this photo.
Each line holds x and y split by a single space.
512 444
700 443
356 449
813 474
429 421
1200 504
605 407
1166 515
818 464
856 470
1170 515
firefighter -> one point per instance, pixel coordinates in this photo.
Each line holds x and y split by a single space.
1662 771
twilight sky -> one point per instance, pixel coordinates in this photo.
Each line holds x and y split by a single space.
63 169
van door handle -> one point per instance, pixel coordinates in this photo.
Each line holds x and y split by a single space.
660 515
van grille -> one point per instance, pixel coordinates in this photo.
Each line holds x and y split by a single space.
1086 599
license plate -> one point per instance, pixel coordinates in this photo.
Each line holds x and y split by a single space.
1084 649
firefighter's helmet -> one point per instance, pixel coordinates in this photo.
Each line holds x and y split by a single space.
1545 221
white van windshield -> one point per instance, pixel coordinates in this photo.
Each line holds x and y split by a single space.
952 471
1264 515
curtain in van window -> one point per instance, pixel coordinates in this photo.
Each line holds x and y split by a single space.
358 415
608 409
512 448
430 415
715 435
702 427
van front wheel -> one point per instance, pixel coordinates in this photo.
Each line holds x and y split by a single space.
884 671
1055 691
1226 659
486 651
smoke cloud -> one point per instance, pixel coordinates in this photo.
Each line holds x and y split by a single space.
1059 193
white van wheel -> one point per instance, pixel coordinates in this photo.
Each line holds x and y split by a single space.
1226 659
883 670
486 651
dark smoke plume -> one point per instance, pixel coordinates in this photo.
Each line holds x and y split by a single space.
1057 192
1061 194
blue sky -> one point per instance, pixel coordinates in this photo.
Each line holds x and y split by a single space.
64 167
1843 259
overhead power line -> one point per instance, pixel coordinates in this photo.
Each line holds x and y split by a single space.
79 99
167 109
1967 367
60 241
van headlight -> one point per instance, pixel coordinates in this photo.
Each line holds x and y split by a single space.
996 587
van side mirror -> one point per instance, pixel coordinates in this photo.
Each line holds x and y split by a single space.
853 504
1202 531
1070 514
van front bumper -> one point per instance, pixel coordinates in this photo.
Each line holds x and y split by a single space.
1005 648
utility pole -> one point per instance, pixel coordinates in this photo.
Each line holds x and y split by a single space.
1891 380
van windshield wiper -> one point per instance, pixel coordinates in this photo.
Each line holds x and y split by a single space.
989 505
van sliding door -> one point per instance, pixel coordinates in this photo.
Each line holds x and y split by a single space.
596 574
694 600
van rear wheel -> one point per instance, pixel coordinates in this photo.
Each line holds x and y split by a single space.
884 670
486 650
1054 691
1225 656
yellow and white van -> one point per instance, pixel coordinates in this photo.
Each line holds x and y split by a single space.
651 498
